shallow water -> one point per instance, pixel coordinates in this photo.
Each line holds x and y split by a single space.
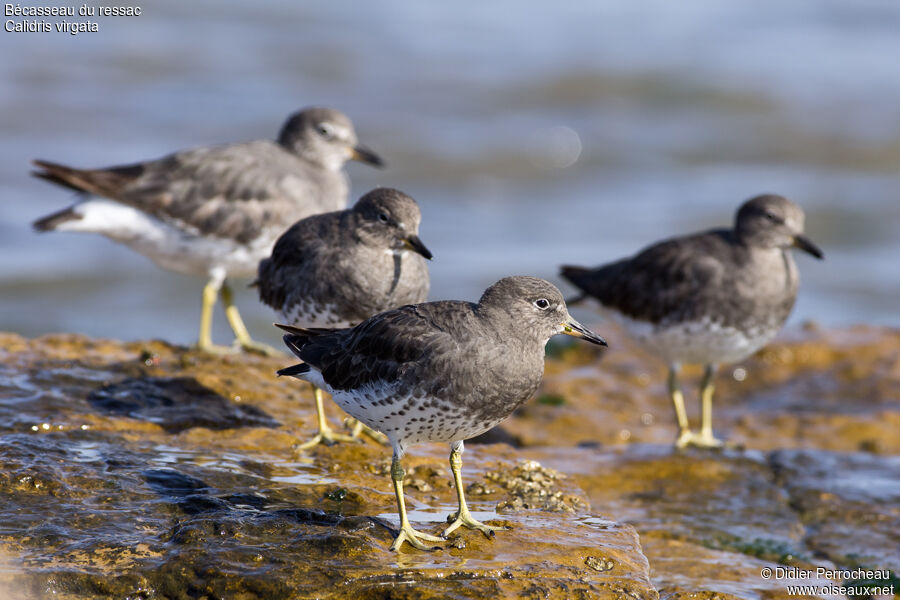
572 133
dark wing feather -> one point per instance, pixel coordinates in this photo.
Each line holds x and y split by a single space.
388 347
304 331
287 270
52 221
108 183
293 370
296 339
668 278
231 191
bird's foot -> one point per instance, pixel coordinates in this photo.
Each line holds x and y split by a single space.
359 428
705 439
465 518
249 345
325 436
215 349
408 534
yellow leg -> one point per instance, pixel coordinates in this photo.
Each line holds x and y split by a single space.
204 340
706 438
462 515
326 435
685 436
358 428
407 533
239 329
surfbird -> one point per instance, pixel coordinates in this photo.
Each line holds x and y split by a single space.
215 211
438 372
709 298
338 269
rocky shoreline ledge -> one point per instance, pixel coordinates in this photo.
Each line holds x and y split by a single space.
145 470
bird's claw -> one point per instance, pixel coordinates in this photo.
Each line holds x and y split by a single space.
464 518
698 440
408 534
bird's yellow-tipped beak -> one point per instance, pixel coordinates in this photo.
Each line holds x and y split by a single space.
415 244
363 154
576 329
804 243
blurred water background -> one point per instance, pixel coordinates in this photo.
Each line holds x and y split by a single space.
532 134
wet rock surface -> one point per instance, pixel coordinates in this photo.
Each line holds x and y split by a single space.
143 470
814 483
176 404
147 471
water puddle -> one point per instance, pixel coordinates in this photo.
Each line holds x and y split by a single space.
303 478
17 388
437 514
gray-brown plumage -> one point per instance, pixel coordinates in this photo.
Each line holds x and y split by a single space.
215 211
438 371
339 268
237 191
709 298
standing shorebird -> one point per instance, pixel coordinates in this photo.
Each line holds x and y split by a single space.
438 372
215 211
338 269
709 298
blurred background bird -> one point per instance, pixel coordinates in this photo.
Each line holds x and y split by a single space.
337 269
709 298
214 211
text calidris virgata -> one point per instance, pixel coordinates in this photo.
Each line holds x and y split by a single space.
215 211
710 298
337 269
438 372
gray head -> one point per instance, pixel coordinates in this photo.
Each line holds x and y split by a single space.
326 137
389 219
772 221
534 305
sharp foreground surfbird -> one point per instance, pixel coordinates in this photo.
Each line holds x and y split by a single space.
438 372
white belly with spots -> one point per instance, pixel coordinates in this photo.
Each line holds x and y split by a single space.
697 342
404 419
172 248
309 314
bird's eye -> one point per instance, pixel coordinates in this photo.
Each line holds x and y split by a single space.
542 303
324 131
772 216
383 217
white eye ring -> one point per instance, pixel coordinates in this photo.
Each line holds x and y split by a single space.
542 303
325 130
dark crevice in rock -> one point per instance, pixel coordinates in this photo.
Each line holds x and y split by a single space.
176 404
